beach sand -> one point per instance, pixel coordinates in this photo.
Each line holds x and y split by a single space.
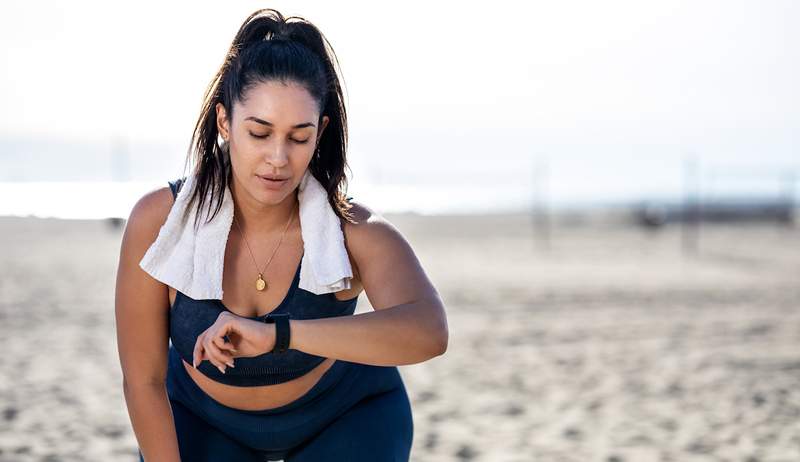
605 343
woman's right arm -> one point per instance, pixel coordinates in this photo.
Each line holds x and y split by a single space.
142 323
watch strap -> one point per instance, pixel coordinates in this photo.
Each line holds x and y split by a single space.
282 332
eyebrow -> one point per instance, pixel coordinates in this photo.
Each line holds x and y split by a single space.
269 124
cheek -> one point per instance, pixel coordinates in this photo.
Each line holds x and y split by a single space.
247 146
245 150
301 157
243 157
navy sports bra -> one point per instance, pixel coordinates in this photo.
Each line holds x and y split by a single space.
190 317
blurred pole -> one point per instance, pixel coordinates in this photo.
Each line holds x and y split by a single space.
540 209
789 180
690 219
120 171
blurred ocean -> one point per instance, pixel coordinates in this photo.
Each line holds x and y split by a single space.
54 177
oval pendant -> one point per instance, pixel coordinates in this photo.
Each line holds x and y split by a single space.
260 283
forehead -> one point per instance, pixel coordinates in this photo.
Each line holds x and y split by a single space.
283 104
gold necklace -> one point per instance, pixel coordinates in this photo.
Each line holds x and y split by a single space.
261 284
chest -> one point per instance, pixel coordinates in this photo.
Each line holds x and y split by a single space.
245 267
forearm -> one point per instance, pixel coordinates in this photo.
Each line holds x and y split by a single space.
400 335
151 417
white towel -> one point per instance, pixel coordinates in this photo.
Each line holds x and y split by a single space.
192 262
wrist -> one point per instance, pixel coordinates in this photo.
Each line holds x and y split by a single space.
292 338
281 332
297 326
268 337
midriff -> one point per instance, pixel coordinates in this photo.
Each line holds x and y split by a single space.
259 397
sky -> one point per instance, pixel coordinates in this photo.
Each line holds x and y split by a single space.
609 98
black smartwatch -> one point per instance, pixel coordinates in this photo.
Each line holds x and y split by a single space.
282 334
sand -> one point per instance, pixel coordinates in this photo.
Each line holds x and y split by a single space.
607 343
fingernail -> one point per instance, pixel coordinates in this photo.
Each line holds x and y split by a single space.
221 369
230 364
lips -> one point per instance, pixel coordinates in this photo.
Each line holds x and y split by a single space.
274 178
273 184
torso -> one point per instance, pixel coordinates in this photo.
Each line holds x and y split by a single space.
239 276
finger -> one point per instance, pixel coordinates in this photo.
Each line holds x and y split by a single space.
227 339
225 344
225 349
197 353
217 356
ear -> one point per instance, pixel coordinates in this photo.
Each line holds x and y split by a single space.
325 120
222 122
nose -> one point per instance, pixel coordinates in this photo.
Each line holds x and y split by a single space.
277 158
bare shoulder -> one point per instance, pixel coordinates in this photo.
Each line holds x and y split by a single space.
382 254
144 223
370 232
147 216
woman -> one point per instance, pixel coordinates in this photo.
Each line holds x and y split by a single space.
225 389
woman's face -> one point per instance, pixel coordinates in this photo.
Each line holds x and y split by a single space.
273 132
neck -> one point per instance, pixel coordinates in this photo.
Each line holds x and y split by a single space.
261 218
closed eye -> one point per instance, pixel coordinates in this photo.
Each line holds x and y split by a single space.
264 136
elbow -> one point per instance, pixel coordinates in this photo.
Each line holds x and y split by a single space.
435 331
440 346
441 334
445 339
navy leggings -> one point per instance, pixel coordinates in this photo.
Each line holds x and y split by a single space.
355 412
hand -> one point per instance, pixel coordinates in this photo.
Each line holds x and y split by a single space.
247 337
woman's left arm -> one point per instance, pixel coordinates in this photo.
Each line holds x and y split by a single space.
408 324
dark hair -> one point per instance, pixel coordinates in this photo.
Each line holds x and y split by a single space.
269 47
